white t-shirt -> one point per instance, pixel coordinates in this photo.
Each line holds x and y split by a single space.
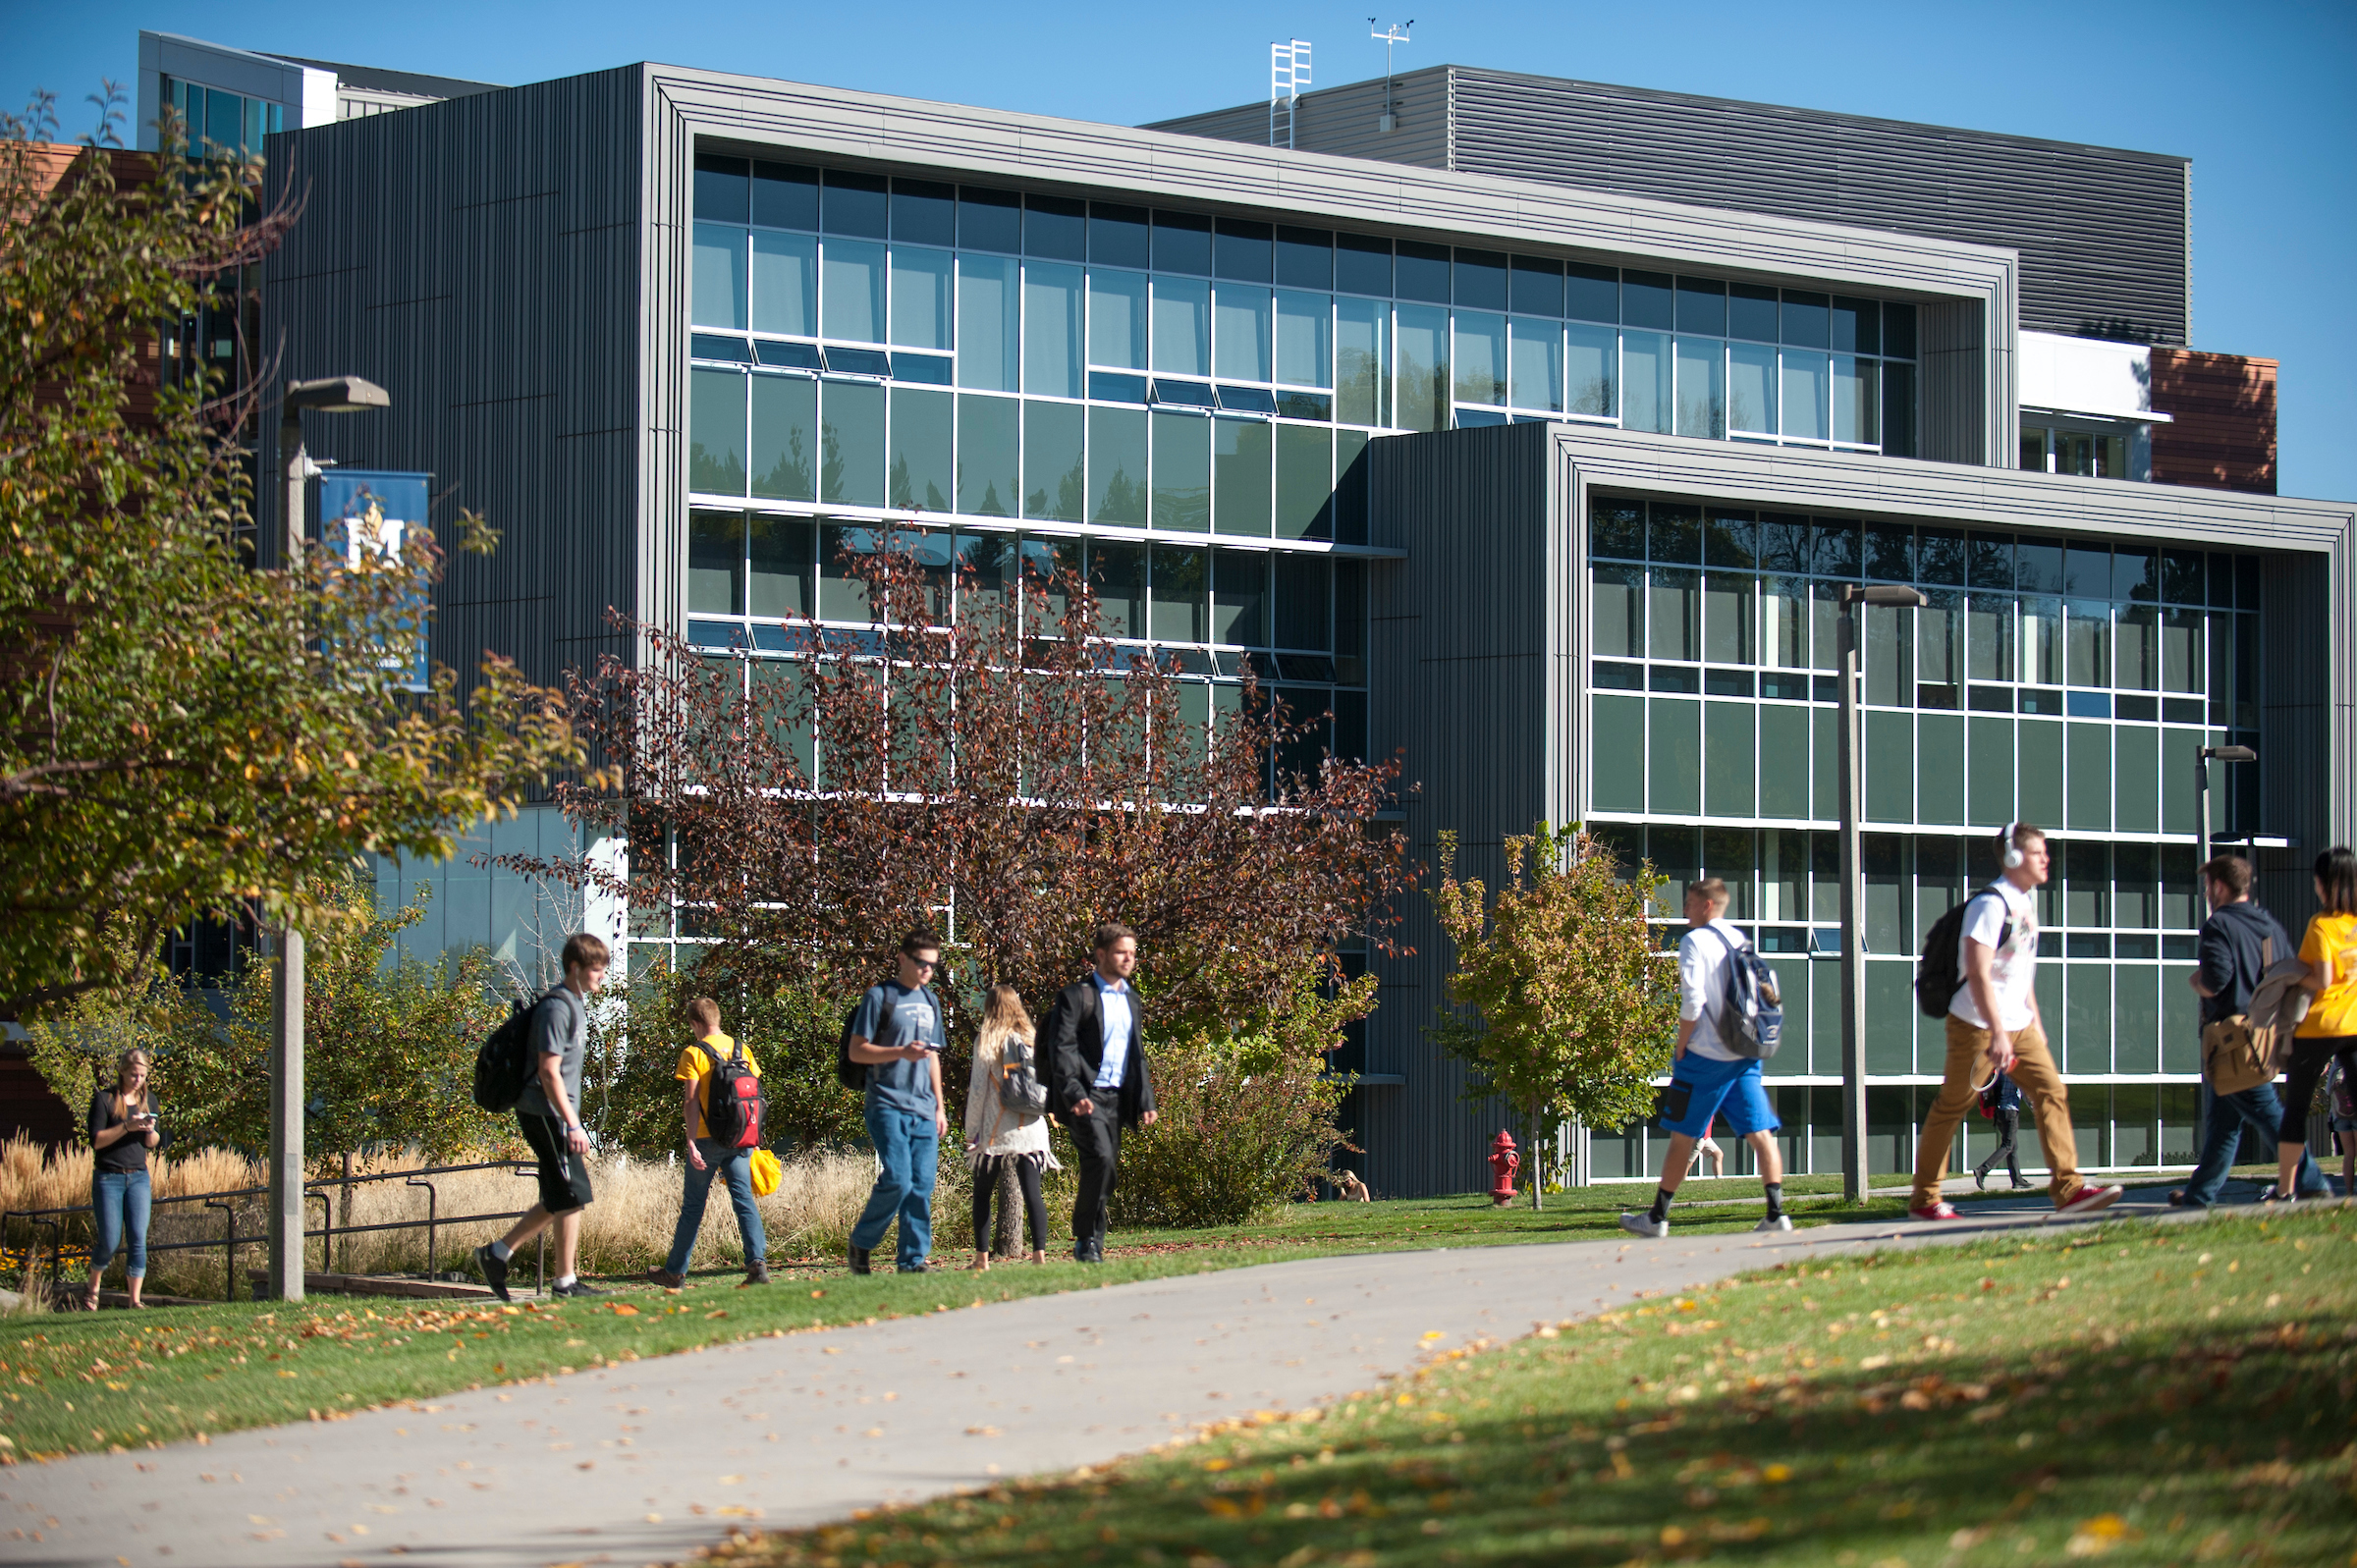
2012 968
1702 987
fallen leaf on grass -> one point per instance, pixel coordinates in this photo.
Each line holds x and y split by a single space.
623 1309
2098 1535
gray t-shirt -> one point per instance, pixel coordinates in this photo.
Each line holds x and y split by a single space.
890 1016
559 1029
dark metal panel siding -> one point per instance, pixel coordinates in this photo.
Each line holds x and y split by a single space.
1954 415
1346 121
2102 232
478 259
1462 639
2296 765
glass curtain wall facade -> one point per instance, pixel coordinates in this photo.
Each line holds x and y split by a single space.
2049 679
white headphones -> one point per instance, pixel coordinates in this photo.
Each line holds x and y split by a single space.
2012 852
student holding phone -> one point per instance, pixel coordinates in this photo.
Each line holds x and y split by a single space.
897 1037
123 1128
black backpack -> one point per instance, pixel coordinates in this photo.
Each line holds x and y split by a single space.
1751 1014
1938 972
1019 1088
504 1064
733 1104
854 1074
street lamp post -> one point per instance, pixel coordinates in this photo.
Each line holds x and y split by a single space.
1849 761
332 395
2201 808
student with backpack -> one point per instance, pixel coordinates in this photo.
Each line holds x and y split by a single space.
548 1112
721 1107
2240 942
1728 1021
2000 1103
1984 955
893 1042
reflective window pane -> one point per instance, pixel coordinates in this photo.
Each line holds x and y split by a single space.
987 316
1591 294
786 285
1242 315
716 564
1751 313
1241 476
918 467
1181 473
1592 371
1536 287
1182 242
720 181
1117 573
1304 482
1751 389
1362 361
785 438
1181 611
1701 387
988 439
1423 272
1054 476
851 441
1240 597
716 293
1480 359
784 558
855 204
1120 237
923 212
1304 258
1726 618
1535 364
1784 623
1056 228
1617 598
1701 307
1857 400
1117 466
1646 399
1481 280
1808 320
716 432
1362 265
1241 249
1304 339
1423 396
1989 637
1806 394
852 290
1183 326
989 220
1052 328
1674 608
1117 318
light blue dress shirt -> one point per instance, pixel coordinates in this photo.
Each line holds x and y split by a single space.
1119 1019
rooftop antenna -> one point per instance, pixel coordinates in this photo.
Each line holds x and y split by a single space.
1390 37
1288 74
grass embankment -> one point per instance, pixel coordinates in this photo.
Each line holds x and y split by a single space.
71 1383
2146 1393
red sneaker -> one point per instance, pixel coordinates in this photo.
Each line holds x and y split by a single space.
2090 1198
1942 1210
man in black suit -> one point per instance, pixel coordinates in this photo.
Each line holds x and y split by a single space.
1097 1079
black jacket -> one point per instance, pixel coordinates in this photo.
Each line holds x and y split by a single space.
1074 1042
2233 940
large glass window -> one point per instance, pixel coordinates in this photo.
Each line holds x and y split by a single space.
1052 330
1423 367
920 298
1241 328
1481 369
1362 361
1646 394
988 314
1183 326
717 296
1304 339
1116 319
785 287
1535 358
852 290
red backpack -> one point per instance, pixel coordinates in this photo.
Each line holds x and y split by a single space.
734 1105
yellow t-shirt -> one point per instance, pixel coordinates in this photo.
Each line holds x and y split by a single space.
2335 1012
694 1066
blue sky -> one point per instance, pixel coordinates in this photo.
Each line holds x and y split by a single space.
2257 94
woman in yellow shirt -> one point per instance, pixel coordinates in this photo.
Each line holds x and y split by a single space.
2329 1031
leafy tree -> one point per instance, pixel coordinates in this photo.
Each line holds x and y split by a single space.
988 761
180 733
1570 1010
388 1057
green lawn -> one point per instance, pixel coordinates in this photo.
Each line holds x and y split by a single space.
72 1382
2145 1394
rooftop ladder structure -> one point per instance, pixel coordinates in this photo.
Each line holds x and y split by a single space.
1288 74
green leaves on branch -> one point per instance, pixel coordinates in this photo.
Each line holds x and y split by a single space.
180 733
1569 1011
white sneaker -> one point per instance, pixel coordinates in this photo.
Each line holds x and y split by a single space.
1775 1223
1645 1225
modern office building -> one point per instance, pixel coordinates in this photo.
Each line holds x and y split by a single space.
1542 473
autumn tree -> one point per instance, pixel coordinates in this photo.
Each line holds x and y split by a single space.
983 757
1569 1009
181 734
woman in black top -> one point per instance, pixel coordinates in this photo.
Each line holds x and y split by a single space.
122 1131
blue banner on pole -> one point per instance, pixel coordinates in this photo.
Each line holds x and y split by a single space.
366 515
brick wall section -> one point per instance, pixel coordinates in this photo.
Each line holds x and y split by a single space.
53 163
2223 411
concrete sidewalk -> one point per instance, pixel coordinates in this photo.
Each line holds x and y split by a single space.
646 1462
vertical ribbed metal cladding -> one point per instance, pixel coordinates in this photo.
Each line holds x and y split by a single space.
1462 639
1344 121
2102 232
480 259
1961 415
2295 729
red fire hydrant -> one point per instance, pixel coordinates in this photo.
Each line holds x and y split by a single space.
1504 1162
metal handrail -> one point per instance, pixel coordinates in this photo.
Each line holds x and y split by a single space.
54 1219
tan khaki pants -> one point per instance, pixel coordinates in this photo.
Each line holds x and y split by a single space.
1967 1068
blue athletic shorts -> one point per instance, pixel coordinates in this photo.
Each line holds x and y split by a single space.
1700 1089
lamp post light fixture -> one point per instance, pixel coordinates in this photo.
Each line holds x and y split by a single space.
330 395
1848 761
2201 814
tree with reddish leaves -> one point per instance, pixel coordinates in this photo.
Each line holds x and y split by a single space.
985 759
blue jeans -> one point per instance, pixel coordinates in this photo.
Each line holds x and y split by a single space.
738 1171
909 1146
121 1201
2262 1113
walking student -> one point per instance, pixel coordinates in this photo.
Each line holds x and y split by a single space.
2329 1031
549 1113
2235 942
1098 1083
1705 1076
123 1130
698 1072
2000 1103
896 1035
999 1135
1993 1024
